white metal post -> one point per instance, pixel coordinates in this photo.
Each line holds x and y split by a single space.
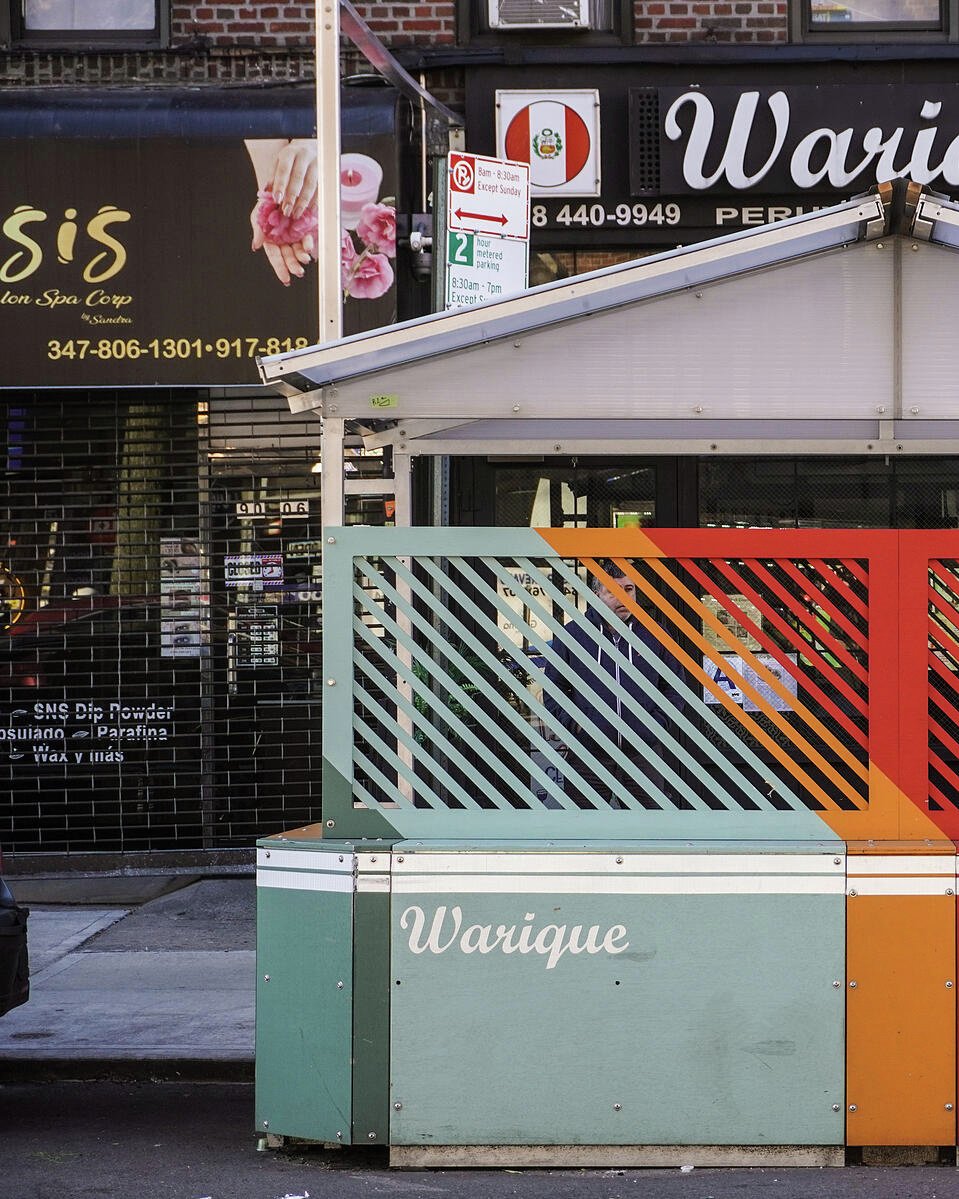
328 168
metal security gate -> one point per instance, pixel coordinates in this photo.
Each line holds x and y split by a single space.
159 677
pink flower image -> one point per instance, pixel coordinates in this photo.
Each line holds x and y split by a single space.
282 230
347 259
376 228
370 277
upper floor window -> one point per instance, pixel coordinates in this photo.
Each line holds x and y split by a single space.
544 22
77 24
874 20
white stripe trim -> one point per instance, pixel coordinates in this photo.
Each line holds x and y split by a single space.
562 884
941 864
900 886
298 880
305 859
521 864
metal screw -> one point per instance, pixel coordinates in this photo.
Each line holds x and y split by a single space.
516 407
266 978
331 824
619 861
266 1123
401 859
397 1107
373 859
853 1108
557 447
880 245
949 890
914 411
837 983
698 408
517 344
331 541
339 986
339 1136
371 1135
617 1107
854 984
853 891
837 861
341 857
331 682
881 409
267 853
948 1107
913 246
948 982
835 1107
699 295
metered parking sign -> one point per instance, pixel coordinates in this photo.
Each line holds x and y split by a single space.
481 268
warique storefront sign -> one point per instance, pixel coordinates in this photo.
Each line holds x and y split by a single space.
168 243
806 138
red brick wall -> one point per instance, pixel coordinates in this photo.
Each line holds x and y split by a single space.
710 20
277 23
255 23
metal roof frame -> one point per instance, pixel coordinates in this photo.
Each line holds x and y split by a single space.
817 334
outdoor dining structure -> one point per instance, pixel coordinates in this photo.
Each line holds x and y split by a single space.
681 890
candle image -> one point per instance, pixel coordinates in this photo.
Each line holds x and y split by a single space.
360 179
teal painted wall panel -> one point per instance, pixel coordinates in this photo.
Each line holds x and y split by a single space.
718 1023
304 1019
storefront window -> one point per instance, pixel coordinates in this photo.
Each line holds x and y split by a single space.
612 496
829 493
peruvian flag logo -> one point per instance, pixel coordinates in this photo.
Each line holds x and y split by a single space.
558 137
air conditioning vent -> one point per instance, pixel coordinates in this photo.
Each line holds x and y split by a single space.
539 14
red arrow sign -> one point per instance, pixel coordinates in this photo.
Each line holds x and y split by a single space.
480 216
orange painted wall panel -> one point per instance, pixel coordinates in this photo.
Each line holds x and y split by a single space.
901 1020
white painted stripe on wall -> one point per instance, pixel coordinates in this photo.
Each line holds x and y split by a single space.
298 880
515 864
562 884
304 859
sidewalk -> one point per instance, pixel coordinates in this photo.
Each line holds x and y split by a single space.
135 977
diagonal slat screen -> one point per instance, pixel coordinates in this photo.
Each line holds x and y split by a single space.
545 688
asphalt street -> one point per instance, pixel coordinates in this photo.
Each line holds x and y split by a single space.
75 1140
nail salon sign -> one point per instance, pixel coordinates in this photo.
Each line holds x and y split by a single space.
793 139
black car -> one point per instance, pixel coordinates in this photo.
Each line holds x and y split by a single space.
14 969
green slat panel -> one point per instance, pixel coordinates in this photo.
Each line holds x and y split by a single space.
719 1024
304 1020
462 698
527 731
